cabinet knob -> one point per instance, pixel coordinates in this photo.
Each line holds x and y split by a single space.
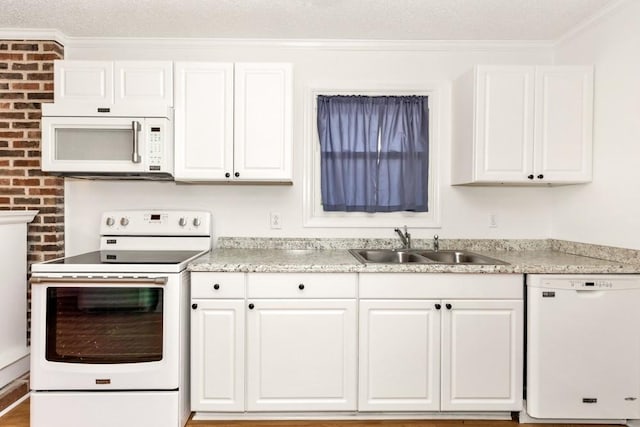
540 176
438 306
251 306
237 174
530 176
301 286
216 286
194 306
448 306
227 175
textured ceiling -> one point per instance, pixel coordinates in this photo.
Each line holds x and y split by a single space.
304 19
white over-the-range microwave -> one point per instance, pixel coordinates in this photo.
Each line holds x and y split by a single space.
108 142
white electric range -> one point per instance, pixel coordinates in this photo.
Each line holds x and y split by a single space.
109 342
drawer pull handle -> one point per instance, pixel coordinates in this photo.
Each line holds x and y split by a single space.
194 306
251 306
301 286
438 306
216 286
448 306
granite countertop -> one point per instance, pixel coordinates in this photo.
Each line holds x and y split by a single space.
534 259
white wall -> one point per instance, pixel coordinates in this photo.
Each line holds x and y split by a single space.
607 211
244 210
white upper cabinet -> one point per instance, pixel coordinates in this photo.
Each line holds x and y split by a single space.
233 122
523 125
113 83
203 120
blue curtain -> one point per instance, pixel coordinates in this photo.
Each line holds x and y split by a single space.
374 153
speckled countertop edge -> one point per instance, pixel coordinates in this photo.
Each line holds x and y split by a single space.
331 256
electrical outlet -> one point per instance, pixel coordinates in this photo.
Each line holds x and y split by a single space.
493 220
275 220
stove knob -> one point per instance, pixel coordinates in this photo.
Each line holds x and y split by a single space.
110 221
182 222
196 222
124 221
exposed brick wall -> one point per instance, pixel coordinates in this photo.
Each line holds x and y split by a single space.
26 81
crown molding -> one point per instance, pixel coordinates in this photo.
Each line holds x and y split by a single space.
70 42
33 34
590 21
322 44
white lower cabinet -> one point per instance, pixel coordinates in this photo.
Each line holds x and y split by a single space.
482 355
301 355
217 342
414 342
399 356
444 354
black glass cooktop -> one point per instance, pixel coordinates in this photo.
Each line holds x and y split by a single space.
128 257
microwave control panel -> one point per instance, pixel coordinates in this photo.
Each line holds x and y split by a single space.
155 151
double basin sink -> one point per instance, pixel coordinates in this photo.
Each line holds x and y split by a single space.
422 256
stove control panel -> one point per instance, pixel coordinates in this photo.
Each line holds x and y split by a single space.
155 222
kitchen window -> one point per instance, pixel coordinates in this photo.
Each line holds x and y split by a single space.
420 212
374 153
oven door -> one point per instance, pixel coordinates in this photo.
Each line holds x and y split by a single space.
105 333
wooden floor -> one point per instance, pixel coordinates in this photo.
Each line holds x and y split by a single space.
19 417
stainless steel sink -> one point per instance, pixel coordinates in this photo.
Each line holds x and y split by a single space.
418 256
388 256
460 257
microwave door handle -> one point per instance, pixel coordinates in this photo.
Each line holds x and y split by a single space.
135 127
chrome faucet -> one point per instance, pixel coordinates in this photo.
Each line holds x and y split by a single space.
404 237
436 243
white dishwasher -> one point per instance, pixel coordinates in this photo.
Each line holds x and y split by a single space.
583 346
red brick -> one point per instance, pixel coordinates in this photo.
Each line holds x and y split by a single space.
11 134
11 95
53 47
5 105
5 200
12 172
11 76
40 95
47 66
11 56
33 47
27 105
26 163
12 191
48 87
34 134
26 125
19 116
42 57
12 153
5 182
26 144
40 76
26 182
25 86
28 66
46 191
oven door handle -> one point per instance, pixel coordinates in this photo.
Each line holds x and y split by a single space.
114 280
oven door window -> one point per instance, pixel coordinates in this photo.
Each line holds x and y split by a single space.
104 324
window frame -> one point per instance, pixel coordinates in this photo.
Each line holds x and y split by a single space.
314 215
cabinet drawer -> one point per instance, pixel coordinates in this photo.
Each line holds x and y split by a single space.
440 285
301 285
217 285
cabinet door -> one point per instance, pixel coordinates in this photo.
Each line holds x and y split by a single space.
143 82
482 352
83 83
301 355
203 121
504 123
217 355
263 122
399 355
564 120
